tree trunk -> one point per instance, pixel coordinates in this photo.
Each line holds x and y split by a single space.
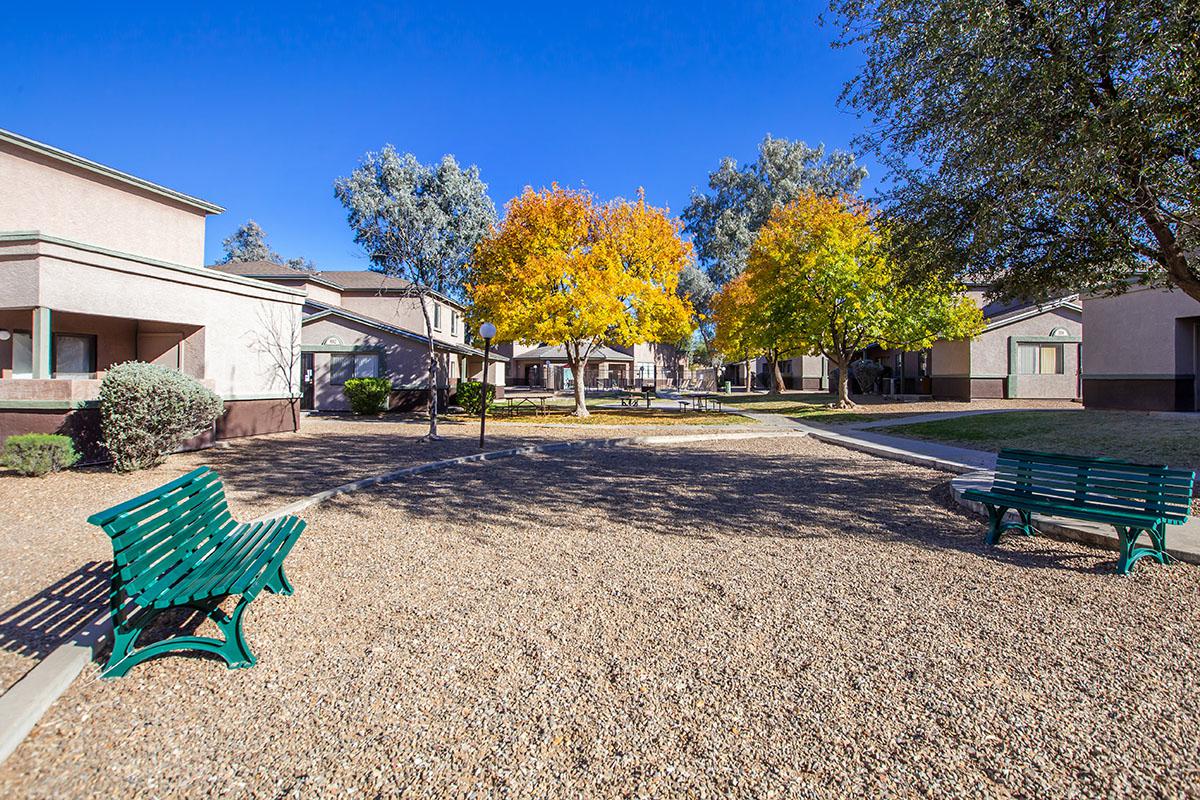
843 382
576 364
749 378
295 413
433 390
776 377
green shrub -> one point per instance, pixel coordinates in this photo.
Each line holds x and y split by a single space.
469 393
367 395
147 412
39 453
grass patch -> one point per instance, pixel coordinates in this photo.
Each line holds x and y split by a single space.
812 407
610 416
1146 438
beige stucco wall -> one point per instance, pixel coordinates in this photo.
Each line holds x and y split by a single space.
989 350
405 361
403 312
38 193
1144 333
236 315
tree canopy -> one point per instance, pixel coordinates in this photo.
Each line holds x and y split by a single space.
249 243
819 280
420 223
565 269
1043 145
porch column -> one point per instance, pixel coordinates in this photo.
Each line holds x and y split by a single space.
41 342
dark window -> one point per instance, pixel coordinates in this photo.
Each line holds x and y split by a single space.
353 365
74 355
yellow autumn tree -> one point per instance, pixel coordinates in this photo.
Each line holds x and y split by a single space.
564 269
819 280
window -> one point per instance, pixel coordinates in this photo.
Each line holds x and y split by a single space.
354 365
74 355
453 321
1040 359
22 354
437 317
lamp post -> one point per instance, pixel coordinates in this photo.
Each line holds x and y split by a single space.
487 330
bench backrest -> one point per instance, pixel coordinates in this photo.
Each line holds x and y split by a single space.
155 532
1096 483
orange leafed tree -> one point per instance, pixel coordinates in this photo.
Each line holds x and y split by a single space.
564 269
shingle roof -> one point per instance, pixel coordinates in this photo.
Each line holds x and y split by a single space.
322 310
350 280
559 353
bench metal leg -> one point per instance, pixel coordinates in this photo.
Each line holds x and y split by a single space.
278 583
233 649
1131 552
997 525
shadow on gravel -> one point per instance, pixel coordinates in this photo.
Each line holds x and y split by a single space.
36 626
705 494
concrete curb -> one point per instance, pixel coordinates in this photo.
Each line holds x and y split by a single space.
26 701
894 453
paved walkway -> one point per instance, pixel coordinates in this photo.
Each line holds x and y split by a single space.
912 451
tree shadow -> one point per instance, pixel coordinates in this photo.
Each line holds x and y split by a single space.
704 494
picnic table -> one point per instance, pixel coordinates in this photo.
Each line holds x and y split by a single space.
631 399
535 401
704 401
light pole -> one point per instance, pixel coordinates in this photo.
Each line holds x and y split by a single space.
487 330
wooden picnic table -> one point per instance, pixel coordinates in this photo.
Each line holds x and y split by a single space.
535 401
703 400
631 399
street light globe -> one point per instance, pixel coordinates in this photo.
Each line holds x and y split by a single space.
487 330
5 335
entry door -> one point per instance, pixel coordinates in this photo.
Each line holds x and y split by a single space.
306 381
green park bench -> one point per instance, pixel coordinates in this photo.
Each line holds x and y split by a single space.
1133 498
178 547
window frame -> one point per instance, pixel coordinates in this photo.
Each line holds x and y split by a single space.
90 339
335 376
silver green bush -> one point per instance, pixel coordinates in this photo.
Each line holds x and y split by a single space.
147 412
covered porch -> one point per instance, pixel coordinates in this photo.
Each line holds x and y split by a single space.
51 357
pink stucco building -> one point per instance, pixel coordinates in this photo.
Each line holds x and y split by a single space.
98 267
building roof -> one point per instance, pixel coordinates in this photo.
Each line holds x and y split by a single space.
1009 316
80 162
346 280
559 353
324 310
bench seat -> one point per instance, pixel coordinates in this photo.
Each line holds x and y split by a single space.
178 547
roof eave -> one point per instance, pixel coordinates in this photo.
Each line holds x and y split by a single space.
108 172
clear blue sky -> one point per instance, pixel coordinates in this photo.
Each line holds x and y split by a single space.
259 107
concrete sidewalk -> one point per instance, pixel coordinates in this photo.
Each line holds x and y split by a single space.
912 451
941 415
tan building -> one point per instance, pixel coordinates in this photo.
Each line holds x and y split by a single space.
608 367
98 267
1142 351
361 324
1025 351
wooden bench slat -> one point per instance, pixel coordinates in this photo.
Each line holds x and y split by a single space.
1084 494
1100 467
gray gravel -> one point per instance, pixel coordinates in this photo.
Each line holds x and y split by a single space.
754 618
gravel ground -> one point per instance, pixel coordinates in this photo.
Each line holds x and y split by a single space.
754 618
54 566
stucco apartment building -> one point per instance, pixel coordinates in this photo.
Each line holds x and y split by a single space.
1026 350
98 267
1142 351
359 324
608 367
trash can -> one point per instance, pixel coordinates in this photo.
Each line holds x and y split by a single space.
728 387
